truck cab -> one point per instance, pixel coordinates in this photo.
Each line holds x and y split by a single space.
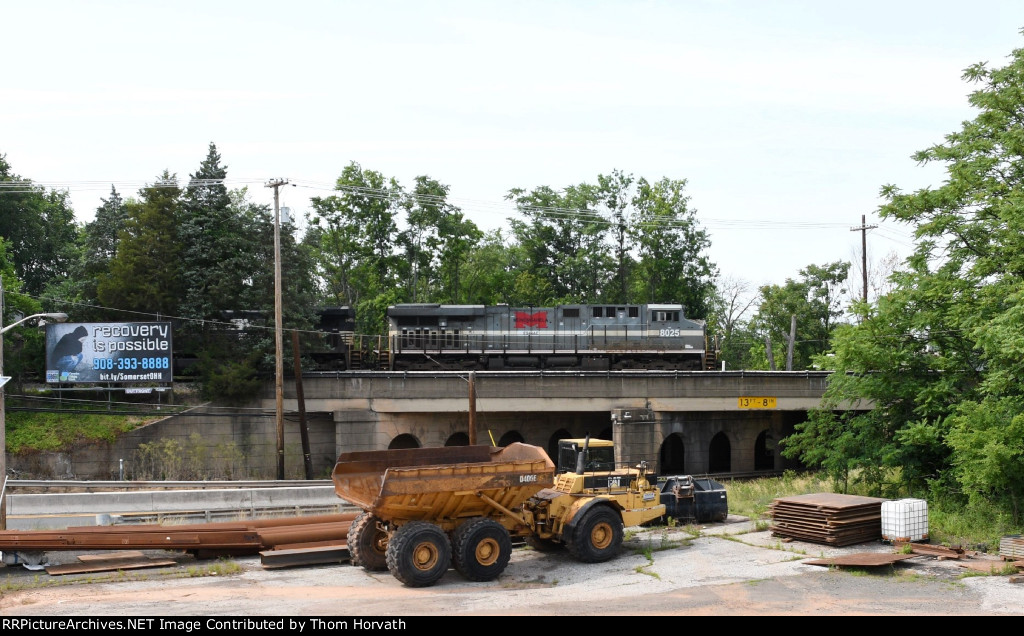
597 455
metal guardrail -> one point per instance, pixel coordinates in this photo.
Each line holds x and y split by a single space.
115 485
108 486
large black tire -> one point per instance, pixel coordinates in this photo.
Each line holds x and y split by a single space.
543 545
367 544
481 548
598 536
419 554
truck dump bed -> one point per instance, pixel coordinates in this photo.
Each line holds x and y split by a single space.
436 484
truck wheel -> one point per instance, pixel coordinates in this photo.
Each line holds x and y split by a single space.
419 554
367 544
598 537
542 545
481 548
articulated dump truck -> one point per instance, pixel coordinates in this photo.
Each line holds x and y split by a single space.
426 509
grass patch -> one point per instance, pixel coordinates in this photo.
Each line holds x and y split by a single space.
56 431
648 553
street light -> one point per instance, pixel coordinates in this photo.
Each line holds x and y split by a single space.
56 317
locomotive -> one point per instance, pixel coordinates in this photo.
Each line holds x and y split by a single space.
584 337
431 337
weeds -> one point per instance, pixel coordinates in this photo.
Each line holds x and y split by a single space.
648 553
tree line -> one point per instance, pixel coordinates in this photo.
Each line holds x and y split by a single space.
938 353
190 249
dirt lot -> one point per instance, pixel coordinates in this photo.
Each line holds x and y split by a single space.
729 569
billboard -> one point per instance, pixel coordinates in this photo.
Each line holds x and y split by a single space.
109 352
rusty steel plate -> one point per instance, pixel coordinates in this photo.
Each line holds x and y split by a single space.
109 565
831 500
862 559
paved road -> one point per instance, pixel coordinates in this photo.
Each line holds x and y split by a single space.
728 570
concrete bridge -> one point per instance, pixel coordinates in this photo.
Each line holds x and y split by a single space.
685 422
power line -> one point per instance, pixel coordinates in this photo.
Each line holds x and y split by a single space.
549 212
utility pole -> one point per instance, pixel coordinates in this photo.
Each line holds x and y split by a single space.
278 334
300 397
863 229
472 408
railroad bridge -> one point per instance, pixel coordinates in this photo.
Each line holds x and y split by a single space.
684 422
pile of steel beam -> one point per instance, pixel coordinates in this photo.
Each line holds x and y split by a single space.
204 540
827 518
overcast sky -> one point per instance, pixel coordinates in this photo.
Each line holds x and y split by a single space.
784 117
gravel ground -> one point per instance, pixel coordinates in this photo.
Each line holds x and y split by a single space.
730 569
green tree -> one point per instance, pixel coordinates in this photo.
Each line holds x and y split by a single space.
437 243
672 263
40 228
98 244
490 271
814 302
615 191
233 364
948 380
885 364
562 238
23 348
144 276
353 236
213 245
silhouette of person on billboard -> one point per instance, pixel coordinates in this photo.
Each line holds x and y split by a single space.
68 351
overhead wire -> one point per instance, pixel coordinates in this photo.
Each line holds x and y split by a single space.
390 194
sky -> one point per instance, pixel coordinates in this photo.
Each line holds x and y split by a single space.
785 118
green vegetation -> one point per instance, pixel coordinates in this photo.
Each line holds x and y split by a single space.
950 521
170 458
55 431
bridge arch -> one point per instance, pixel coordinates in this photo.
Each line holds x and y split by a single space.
457 439
764 451
405 440
510 437
672 456
553 442
720 454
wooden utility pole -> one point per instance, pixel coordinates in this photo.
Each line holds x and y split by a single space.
863 229
792 342
307 458
278 334
472 408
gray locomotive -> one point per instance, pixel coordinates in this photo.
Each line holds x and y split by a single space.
564 337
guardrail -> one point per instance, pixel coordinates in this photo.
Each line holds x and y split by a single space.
115 485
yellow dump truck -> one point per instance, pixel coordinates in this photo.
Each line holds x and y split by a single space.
427 509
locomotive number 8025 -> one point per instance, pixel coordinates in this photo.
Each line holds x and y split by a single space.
563 337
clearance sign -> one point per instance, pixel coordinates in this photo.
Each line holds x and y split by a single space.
758 402
109 352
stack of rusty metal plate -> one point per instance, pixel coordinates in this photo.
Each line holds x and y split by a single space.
1012 547
827 518
280 541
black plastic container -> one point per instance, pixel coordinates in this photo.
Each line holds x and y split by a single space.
688 499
